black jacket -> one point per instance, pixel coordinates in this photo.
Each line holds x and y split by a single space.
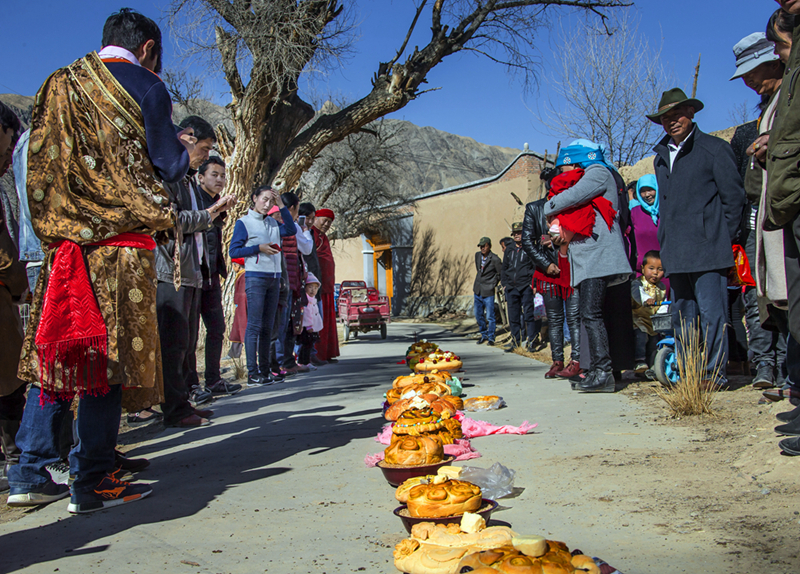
216 260
517 268
488 277
533 227
701 202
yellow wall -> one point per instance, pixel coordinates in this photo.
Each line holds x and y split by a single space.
348 258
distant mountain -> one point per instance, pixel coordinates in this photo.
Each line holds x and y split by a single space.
428 159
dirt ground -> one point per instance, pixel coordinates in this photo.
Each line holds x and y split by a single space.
753 509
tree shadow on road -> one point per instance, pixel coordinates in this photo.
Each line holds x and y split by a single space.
196 467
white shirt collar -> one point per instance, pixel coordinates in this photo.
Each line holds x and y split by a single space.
118 52
672 145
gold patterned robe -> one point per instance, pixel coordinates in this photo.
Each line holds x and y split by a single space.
90 178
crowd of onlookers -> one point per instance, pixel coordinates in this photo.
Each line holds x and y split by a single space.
119 245
707 244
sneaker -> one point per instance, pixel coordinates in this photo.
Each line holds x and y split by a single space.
224 388
121 474
640 368
509 348
275 378
308 367
109 492
198 396
257 381
490 343
46 494
288 371
481 341
59 472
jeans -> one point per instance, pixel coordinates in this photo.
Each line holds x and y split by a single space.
262 303
559 312
519 303
38 439
177 313
485 306
286 336
592 297
214 320
703 296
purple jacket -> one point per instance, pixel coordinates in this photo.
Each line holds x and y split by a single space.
646 234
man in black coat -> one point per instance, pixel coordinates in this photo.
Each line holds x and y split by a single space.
516 279
701 205
489 269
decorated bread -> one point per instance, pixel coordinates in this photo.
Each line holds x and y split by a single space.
508 559
440 360
447 498
483 403
437 388
438 548
413 557
447 403
414 451
436 375
417 421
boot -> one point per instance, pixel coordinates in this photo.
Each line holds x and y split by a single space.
600 382
8 432
765 376
557 366
572 369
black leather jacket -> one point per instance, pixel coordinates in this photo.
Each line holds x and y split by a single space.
533 227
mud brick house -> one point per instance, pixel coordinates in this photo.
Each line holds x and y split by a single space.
424 260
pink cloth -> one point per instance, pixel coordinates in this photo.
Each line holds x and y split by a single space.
462 450
470 427
312 320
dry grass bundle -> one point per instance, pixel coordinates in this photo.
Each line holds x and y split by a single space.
690 396
240 367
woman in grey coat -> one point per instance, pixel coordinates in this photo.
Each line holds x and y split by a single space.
599 260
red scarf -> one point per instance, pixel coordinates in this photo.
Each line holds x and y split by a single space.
580 219
554 285
71 329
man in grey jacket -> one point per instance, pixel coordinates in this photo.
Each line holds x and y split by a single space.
179 290
701 205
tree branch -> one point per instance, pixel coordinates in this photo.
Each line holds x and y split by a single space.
410 31
227 46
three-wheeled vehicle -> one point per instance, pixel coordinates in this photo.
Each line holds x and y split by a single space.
362 309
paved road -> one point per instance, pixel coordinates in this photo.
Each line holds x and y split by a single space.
278 483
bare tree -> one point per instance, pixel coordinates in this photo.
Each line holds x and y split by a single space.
186 89
356 177
264 46
604 85
741 113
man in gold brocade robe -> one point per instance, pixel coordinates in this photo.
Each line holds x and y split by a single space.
102 142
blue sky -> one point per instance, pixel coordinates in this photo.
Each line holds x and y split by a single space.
477 99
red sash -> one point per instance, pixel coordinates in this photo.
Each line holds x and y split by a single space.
71 329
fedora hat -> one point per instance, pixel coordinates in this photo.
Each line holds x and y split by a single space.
672 99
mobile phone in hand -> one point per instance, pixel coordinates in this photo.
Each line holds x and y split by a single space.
275 246
301 221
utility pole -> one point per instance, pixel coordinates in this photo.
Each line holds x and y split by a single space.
696 75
